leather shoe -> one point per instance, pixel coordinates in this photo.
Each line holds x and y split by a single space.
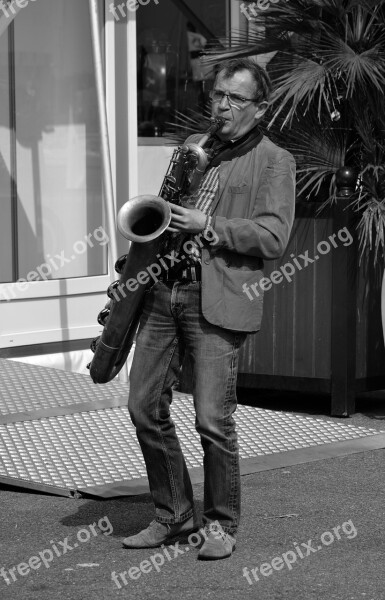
218 544
157 534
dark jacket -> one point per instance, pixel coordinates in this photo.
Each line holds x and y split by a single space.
253 216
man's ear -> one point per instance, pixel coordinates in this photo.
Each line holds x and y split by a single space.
261 109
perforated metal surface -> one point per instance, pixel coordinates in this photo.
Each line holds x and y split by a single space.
99 447
25 387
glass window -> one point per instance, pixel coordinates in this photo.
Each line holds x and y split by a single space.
170 36
58 208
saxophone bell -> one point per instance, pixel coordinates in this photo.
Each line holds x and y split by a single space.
144 218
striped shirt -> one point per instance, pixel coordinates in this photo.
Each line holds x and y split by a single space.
207 190
206 194
204 198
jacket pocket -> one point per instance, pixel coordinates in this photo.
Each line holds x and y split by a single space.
239 202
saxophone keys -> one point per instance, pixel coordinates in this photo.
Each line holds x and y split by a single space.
119 265
112 287
103 316
94 343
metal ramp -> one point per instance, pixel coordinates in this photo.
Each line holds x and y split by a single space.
62 434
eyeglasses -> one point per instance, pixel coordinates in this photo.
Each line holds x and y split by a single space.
233 99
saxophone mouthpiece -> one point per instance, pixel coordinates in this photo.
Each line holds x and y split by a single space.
217 123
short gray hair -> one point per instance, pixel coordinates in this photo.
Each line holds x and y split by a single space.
263 85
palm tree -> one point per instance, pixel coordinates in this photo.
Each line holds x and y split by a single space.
328 106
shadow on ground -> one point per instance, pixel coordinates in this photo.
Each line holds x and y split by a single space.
370 404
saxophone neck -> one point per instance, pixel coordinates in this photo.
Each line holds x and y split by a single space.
187 166
216 124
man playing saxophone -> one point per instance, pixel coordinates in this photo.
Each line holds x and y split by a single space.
246 199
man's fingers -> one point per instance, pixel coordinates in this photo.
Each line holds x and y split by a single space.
177 218
172 229
177 222
175 208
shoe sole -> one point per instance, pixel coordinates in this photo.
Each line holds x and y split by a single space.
203 557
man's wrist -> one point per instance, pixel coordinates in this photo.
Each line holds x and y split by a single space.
207 226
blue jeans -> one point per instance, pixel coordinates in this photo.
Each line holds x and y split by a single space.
172 323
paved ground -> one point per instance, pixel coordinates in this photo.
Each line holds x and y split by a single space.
331 512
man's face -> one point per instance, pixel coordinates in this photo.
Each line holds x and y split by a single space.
238 121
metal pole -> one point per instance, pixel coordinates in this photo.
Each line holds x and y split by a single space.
105 145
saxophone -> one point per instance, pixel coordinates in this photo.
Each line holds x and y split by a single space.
143 220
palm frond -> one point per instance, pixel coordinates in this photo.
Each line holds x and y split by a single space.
186 124
299 87
371 230
356 69
216 55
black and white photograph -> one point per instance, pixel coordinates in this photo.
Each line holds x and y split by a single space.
192 299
